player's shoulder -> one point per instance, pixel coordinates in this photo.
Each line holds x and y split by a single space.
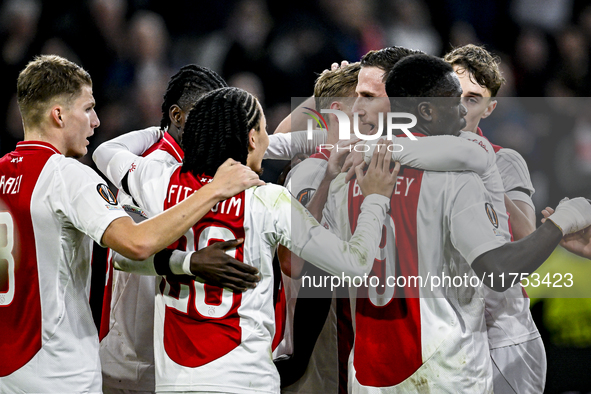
510 157
481 141
270 195
308 168
510 161
72 168
450 181
514 171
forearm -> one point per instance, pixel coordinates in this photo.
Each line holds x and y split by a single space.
522 223
139 241
440 153
337 257
296 120
113 158
286 146
139 267
165 262
523 256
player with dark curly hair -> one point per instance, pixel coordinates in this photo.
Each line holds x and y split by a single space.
222 340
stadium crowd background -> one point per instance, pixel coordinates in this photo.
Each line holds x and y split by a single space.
276 50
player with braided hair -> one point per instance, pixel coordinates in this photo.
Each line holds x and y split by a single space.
240 112
208 338
184 88
126 349
59 206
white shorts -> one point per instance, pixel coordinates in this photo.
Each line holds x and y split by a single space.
519 369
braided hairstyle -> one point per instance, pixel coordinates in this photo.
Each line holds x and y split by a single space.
186 86
217 129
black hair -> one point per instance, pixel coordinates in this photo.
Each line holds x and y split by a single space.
186 86
418 76
386 58
217 129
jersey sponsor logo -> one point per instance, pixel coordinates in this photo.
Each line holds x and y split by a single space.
492 215
305 196
106 193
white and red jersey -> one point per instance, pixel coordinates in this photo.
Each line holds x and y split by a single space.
415 339
53 208
327 368
210 339
127 349
127 354
508 317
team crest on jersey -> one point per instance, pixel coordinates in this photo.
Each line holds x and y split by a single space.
492 215
106 194
305 196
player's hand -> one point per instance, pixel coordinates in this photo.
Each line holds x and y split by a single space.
351 162
338 156
578 243
336 66
232 177
573 215
216 267
378 179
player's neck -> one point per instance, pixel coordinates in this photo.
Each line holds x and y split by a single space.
332 135
175 133
52 138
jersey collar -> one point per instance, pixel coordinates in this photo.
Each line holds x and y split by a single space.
25 145
170 145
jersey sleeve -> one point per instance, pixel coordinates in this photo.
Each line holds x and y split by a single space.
82 196
303 180
147 182
114 157
440 153
286 145
143 267
474 225
296 229
515 175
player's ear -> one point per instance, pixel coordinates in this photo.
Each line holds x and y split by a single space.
251 139
425 111
490 108
56 115
176 115
333 119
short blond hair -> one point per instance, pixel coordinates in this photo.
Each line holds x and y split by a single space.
333 84
45 79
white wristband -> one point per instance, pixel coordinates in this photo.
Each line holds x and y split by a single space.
180 263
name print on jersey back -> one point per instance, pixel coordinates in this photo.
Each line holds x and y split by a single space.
201 322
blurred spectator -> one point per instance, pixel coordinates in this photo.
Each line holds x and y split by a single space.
19 28
354 26
247 30
532 63
251 83
549 15
408 24
462 33
573 72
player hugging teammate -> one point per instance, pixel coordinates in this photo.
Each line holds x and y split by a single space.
416 212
